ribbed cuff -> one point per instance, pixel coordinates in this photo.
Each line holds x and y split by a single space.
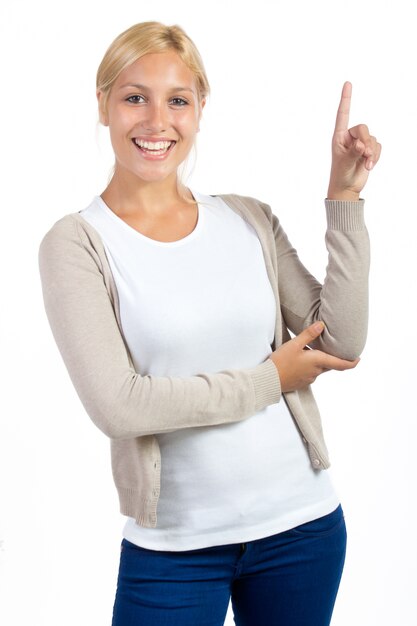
345 214
267 384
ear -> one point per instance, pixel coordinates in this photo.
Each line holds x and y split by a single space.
102 113
202 105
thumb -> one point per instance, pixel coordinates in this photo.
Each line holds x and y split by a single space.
309 333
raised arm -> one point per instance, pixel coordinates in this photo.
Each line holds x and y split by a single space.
341 302
122 403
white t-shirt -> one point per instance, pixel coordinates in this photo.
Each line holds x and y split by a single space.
201 304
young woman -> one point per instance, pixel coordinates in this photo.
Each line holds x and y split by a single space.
172 309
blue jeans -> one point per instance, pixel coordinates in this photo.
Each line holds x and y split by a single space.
288 579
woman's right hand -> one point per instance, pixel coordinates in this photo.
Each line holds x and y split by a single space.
299 366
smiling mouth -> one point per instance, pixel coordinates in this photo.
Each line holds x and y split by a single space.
154 152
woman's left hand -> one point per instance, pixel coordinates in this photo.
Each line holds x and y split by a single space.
354 153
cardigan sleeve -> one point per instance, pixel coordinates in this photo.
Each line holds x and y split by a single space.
341 302
122 403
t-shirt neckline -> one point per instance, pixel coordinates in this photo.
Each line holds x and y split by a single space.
165 244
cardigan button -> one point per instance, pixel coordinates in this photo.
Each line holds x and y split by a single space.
316 462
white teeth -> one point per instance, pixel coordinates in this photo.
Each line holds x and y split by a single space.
153 145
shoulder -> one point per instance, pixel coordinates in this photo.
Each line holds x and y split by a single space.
69 230
71 240
250 207
62 231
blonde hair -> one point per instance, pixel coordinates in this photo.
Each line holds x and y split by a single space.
145 38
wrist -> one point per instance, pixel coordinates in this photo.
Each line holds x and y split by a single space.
345 194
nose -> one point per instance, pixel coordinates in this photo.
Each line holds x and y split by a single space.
156 118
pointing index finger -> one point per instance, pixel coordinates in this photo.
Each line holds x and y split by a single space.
342 117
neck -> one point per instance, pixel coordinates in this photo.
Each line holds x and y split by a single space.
127 196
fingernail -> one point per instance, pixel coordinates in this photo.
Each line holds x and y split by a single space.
319 326
370 165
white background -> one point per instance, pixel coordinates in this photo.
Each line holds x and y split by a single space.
276 71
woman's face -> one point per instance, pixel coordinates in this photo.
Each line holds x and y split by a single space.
154 99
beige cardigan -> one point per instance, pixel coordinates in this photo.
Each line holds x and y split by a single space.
82 307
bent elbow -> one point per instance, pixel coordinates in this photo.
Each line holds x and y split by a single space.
113 429
121 409
346 348
108 418
348 354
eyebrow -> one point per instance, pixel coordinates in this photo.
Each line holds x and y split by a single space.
139 86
